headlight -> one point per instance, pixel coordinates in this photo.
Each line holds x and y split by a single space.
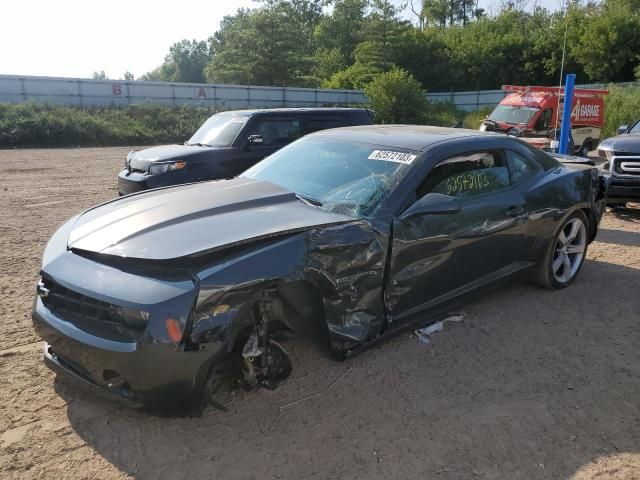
604 152
128 158
132 317
158 168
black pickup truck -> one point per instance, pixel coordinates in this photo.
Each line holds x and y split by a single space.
621 162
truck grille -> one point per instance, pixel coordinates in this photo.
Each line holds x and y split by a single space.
626 166
93 316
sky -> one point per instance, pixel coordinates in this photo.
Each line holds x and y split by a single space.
74 38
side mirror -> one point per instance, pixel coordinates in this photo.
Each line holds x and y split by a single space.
255 139
432 204
515 132
623 129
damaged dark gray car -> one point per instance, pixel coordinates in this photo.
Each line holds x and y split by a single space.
346 237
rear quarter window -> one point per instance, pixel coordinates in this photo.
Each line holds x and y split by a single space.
316 123
547 162
520 167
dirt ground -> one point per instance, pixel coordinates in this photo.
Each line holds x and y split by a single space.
533 385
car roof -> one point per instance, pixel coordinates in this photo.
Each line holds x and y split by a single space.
409 137
294 110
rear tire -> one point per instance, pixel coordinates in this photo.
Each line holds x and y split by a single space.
565 255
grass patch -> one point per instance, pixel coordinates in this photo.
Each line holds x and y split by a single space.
622 107
43 125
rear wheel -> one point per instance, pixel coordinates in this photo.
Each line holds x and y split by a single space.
566 254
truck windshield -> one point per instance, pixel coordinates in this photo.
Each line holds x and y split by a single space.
341 176
513 114
219 130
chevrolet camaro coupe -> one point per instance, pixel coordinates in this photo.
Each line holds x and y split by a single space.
169 297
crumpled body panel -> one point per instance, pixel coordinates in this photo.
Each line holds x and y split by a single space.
330 277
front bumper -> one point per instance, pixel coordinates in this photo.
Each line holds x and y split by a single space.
131 182
622 190
62 366
138 374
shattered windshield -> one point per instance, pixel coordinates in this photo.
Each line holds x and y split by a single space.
219 130
341 176
513 114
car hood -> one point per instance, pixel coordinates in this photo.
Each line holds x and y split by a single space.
180 221
628 143
141 159
572 159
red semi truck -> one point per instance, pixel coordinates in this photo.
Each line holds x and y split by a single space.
535 114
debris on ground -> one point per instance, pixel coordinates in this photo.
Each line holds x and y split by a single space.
291 404
424 334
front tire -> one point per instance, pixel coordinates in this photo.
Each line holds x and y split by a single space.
565 256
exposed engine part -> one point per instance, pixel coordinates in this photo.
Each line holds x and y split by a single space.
266 362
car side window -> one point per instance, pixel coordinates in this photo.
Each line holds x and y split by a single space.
277 131
546 161
468 175
316 123
544 121
520 167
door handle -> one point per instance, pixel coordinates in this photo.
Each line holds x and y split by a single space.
515 211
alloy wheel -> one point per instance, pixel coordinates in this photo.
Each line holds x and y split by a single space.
569 250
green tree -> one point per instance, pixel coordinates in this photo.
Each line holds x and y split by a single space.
436 12
382 30
99 75
328 62
347 43
609 48
128 76
186 62
269 45
154 75
341 31
397 97
425 55
232 48
622 107
439 12
381 39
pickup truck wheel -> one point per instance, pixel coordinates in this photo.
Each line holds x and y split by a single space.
565 255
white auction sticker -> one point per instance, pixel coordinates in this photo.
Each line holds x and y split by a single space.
389 156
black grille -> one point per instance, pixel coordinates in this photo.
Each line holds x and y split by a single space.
89 314
634 161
